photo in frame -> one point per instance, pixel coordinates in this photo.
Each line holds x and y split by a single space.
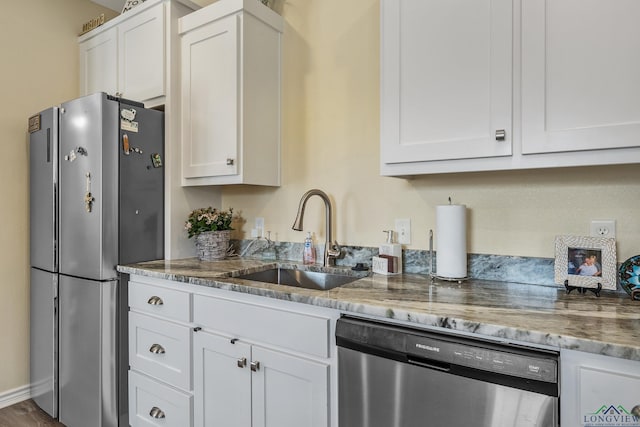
583 261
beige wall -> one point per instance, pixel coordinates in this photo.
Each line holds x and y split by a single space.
39 69
330 123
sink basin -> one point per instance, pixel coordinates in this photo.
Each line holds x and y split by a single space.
300 278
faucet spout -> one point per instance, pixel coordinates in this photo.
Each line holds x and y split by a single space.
332 250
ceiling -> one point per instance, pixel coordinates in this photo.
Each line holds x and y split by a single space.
111 4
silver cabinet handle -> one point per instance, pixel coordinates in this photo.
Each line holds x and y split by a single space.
156 412
501 134
242 362
155 300
157 349
255 366
230 162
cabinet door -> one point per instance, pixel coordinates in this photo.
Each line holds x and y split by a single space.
222 381
446 77
210 94
289 391
99 63
580 75
141 55
160 349
599 390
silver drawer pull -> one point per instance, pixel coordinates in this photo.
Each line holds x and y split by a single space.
255 366
242 362
155 300
156 412
501 135
157 349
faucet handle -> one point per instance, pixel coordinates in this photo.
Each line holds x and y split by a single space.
334 250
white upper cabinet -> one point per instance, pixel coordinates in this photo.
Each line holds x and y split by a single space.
98 64
127 56
580 75
561 78
231 94
446 79
141 55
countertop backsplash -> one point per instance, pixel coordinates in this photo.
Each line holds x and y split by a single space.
513 269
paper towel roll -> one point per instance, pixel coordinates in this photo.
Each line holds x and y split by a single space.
451 235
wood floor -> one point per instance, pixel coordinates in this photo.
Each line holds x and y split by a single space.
26 414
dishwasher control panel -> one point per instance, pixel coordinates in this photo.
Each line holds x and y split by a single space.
484 358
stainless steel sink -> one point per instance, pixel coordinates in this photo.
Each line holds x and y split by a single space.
300 278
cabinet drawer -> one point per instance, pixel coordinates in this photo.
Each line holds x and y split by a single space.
160 349
154 404
286 329
164 302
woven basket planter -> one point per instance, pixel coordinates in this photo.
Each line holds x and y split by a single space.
213 245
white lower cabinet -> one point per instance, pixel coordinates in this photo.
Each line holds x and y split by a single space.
222 381
242 385
159 356
240 380
207 357
288 391
152 403
599 390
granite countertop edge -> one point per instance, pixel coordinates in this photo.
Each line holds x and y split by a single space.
377 296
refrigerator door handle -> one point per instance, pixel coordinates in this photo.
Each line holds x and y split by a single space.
88 197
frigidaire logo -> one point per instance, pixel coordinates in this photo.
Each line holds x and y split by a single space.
612 416
427 347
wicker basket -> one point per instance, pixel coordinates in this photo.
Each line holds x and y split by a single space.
213 245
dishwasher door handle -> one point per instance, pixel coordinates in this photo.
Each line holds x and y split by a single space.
430 364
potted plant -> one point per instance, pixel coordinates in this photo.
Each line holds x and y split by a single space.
212 230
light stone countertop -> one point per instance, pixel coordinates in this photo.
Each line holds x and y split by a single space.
608 325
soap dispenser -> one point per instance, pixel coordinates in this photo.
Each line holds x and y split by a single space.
392 252
309 251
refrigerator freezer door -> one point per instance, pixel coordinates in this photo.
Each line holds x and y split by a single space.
88 187
88 353
43 340
141 185
43 148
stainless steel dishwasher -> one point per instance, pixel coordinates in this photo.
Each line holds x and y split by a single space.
395 376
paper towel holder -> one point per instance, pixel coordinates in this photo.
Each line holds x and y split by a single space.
433 274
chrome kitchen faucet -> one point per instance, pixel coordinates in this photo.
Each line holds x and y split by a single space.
331 250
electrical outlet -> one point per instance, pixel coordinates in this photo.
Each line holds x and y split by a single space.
403 230
603 228
259 225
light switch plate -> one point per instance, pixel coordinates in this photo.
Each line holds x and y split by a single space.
403 231
259 226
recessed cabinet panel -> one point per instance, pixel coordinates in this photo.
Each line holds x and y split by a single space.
598 390
580 75
160 349
154 404
222 381
289 391
210 99
98 65
446 79
141 51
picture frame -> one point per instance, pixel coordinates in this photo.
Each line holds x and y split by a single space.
585 262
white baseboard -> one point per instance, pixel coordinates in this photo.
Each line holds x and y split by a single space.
10 397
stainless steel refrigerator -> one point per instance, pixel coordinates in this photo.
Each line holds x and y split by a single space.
96 194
